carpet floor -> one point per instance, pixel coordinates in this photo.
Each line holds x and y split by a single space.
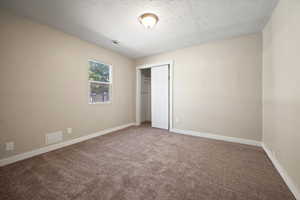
142 163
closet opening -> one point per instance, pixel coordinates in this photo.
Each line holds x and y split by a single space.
154 95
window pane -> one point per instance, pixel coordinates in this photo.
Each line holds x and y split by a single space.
99 72
99 92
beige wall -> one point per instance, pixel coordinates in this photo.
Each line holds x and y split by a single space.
217 87
281 87
44 88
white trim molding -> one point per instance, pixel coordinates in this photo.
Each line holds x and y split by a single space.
29 154
287 179
217 137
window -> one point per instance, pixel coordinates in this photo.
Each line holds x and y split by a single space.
99 82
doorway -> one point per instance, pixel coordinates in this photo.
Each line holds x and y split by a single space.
154 95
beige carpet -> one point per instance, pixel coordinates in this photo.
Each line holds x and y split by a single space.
145 163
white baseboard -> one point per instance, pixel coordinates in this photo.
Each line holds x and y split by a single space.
45 149
217 137
290 183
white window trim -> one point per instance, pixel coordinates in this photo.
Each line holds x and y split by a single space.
100 82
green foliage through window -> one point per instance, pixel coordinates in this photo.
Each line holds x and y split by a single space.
99 72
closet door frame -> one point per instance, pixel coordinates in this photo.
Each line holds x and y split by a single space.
138 90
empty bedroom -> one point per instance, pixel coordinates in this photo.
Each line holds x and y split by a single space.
149 100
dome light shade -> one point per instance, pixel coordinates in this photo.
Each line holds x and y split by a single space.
149 20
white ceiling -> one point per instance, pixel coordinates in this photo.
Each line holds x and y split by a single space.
182 23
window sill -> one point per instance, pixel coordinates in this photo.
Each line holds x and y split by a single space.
107 102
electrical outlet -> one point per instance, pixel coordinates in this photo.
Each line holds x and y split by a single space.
9 146
177 119
69 130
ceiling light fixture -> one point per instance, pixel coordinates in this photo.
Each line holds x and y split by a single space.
149 20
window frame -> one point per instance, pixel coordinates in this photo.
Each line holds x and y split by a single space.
100 82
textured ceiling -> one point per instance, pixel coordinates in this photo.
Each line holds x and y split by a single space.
182 23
